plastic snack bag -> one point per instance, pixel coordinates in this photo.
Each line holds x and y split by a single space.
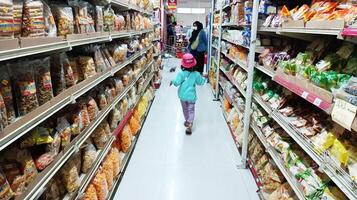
99 137
50 24
55 146
88 157
3 114
99 19
57 75
90 193
6 91
134 126
109 19
77 159
92 108
39 135
64 19
64 130
44 160
68 71
84 114
108 171
125 139
114 156
109 57
52 191
77 73
100 185
99 60
33 21
87 66
70 178
6 192
43 81
17 14
6 19
25 86
102 100
76 121
114 118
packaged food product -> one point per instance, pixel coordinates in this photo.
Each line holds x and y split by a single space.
125 139
109 19
106 127
33 22
70 176
77 159
99 19
114 118
3 114
6 19
50 24
44 160
64 18
102 100
99 60
6 91
108 172
58 180
90 193
128 21
109 57
39 135
77 72
55 146
57 75
120 53
108 94
14 176
134 126
64 130
120 22
84 22
43 80
92 108
88 157
114 156
87 66
119 86
76 121
68 71
52 191
17 14
84 114
99 137
25 87
100 185
6 191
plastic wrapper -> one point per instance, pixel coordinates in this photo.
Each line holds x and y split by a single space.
128 21
100 184
114 157
44 160
57 75
64 18
76 121
105 126
70 178
109 94
55 146
39 135
25 87
90 193
119 22
7 94
339 152
6 19
33 21
84 22
43 81
120 53
283 192
84 114
77 159
64 130
102 100
52 191
88 157
87 66
119 86
114 118
108 171
92 108
125 139
99 60
99 137
109 19
3 114
14 176
99 19
134 126
68 71
109 57
50 24
17 14
77 72
6 192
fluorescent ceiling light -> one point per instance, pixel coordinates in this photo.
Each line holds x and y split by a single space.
198 11
184 10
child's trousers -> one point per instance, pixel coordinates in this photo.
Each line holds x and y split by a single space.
188 109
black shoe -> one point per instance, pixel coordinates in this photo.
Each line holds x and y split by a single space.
189 130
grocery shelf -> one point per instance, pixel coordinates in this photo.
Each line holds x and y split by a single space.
67 44
36 188
260 101
231 79
279 162
265 70
241 63
335 32
26 123
235 42
233 24
214 46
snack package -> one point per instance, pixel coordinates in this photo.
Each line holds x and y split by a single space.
102 100
134 126
100 64
114 157
55 146
17 14
25 87
52 191
68 71
339 152
77 72
76 121
64 19
99 137
110 59
87 66
6 191
44 160
119 86
6 19
92 108
70 178
57 75
6 91
125 139
84 114
109 19
120 53
88 157
99 19
90 193
33 21
100 185
108 172
114 118
39 135
77 160
43 81
3 114
50 24
64 130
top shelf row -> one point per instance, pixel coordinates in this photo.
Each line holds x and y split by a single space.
34 27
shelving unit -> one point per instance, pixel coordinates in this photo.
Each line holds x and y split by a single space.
326 162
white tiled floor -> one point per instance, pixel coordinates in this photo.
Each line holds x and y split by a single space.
168 165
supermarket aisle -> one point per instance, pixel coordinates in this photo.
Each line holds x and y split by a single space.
168 165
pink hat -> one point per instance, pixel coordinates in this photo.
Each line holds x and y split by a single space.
188 61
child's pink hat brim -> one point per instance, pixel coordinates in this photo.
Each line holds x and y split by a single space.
188 61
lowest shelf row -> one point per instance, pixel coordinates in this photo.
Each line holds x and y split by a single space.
36 188
41 45
323 159
26 123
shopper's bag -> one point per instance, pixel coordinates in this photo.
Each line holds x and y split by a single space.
194 45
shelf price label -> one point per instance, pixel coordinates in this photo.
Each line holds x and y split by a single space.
317 102
344 113
304 94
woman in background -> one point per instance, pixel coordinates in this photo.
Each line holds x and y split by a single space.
198 45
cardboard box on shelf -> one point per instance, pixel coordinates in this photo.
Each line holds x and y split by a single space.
9 44
325 24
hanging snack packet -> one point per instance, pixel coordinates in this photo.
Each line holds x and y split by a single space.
6 91
99 137
43 81
33 21
64 18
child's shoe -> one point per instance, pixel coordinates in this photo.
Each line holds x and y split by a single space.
189 129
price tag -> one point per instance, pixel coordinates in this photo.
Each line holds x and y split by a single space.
317 102
304 94
344 113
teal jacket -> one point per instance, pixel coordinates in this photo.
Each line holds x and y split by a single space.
187 82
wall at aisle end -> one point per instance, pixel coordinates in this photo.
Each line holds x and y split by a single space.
188 19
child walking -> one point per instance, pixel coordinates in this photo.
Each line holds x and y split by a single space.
186 80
